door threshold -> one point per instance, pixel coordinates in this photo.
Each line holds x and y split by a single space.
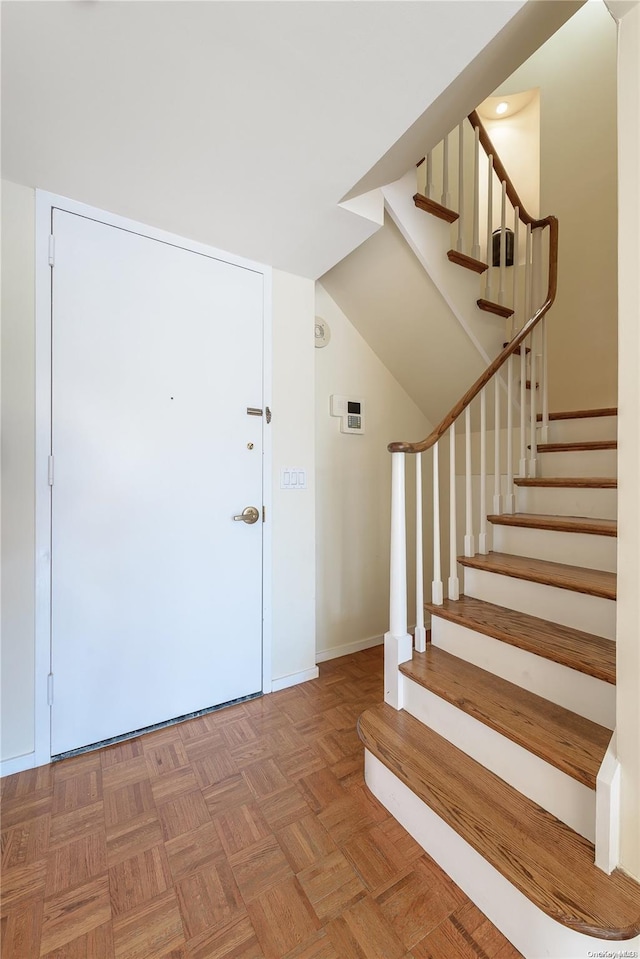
70 753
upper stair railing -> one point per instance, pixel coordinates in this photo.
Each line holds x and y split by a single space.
521 301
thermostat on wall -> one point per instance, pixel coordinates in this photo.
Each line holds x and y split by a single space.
350 409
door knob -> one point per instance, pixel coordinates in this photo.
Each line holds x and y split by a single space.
248 515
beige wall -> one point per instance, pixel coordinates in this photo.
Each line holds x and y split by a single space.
517 142
353 493
18 492
628 626
293 524
293 520
576 73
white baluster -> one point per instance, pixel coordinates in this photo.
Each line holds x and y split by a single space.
483 546
503 245
454 582
533 407
522 468
527 276
537 269
460 243
516 237
420 639
497 499
437 592
476 196
469 546
489 227
510 499
397 642
544 435
429 181
446 196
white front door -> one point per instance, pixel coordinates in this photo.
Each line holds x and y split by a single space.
156 592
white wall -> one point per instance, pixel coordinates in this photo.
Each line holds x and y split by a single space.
292 522
293 445
576 73
353 493
628 625
18 421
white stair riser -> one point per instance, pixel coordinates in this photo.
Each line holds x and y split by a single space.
530 930
578 463
555 791
593 614
580 430
567 501
589 697
575 549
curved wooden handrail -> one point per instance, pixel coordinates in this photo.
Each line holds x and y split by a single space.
502 174
500 360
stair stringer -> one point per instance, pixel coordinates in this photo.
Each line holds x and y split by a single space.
530 930
430 240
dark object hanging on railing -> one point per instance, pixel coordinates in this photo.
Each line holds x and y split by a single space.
495 243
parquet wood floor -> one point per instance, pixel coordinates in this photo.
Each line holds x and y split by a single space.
245 834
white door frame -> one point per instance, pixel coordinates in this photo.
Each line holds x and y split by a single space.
45 205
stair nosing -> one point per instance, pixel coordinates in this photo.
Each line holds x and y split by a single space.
529 634
555 523
580 414
467 262
489 306
577 446
568 482
547 861
436 209
514 712
553 573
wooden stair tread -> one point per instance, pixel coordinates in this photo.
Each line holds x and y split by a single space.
468 262
563 739
577 482
518 350
594 582
490 307
435 208
584 652
543 858
572 447
563 524
581 414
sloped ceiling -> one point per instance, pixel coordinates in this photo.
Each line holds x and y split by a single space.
238 124
395 306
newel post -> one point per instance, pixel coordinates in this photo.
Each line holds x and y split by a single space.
397 642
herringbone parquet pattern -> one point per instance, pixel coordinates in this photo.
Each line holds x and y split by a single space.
244 834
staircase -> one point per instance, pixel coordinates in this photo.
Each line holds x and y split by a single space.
495 746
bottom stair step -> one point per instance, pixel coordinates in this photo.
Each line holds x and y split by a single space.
543 859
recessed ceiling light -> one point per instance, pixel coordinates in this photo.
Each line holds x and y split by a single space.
502 108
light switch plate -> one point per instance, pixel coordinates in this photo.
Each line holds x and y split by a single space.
293 477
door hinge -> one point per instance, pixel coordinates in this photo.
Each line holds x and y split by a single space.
264 514
50 470
50 689
52 249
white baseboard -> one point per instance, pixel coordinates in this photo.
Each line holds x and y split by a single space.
16 765
293 679
322 655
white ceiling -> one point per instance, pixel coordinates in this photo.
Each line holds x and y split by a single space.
239 124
